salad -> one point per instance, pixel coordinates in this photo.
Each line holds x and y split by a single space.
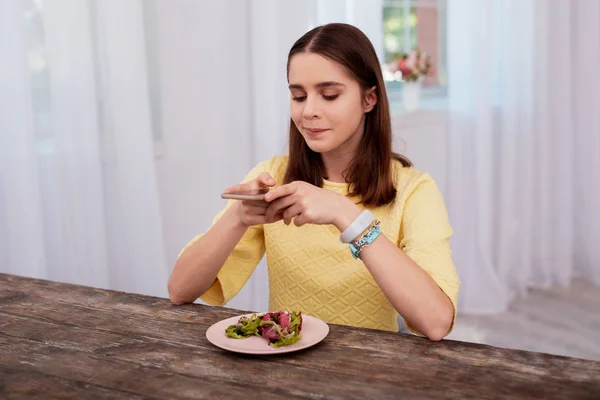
279 328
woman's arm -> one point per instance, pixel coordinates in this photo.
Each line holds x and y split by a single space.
410 289
198 266
407 285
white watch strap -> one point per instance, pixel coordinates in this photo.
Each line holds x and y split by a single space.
357 226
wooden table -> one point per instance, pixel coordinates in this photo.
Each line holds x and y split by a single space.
67 341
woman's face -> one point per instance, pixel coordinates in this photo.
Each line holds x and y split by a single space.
327 105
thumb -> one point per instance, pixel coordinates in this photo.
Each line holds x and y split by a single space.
265 180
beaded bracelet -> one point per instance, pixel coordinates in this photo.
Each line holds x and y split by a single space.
368 236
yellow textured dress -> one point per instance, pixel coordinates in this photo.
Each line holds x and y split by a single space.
311 271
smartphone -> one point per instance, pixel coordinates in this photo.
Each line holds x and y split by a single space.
258 194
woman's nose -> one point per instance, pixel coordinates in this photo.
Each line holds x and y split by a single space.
310 108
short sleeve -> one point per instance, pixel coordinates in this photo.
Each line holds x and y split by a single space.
244 258
425 237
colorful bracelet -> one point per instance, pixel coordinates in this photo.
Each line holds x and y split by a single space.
365 239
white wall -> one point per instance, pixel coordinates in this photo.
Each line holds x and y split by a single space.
422 136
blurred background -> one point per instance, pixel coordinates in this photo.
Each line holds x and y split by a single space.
122 121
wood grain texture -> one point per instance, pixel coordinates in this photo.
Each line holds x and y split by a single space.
17 383
69 341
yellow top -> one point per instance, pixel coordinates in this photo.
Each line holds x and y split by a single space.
311 271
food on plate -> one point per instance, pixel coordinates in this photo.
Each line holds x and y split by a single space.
279 328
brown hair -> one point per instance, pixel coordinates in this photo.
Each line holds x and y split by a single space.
370 172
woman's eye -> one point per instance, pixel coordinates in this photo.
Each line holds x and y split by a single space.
299 99
331 97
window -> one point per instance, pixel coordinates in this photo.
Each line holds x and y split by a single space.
409 25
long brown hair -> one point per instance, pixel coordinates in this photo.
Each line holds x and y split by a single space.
370 172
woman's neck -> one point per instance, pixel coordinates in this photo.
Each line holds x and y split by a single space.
335 165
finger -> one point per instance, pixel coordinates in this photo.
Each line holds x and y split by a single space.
279 205
265 180
281 191
305 217
263 220
242 187
257 203
301 220
277 217
255 210
291 212
256 220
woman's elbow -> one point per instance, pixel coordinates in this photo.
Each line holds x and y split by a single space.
439 328
176 298
437 334
175 294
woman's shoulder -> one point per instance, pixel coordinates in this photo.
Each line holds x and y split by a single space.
408 179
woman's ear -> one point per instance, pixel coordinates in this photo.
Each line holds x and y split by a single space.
370 99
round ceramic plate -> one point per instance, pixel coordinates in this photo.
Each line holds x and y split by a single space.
313 331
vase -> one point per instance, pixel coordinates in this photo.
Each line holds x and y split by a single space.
411 95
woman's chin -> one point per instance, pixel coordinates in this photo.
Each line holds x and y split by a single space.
318 146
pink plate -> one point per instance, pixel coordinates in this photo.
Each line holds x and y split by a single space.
313 331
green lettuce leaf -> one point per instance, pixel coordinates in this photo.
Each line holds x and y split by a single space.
286 340
246 327
295 321
232 332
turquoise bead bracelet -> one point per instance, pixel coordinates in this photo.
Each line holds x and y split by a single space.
366 239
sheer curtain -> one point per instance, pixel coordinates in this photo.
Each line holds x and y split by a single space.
78 191
524 145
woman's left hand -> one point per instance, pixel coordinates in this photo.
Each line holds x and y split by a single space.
309 204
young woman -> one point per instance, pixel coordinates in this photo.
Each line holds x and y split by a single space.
353 233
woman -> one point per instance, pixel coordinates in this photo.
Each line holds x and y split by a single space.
340 183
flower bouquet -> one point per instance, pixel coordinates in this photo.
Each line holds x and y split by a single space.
414 67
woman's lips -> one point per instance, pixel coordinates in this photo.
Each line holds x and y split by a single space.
314 131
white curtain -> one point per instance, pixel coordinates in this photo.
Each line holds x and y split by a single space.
524 146
78 190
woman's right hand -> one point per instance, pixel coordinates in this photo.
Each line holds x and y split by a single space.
253 212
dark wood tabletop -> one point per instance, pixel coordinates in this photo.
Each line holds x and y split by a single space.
66 341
